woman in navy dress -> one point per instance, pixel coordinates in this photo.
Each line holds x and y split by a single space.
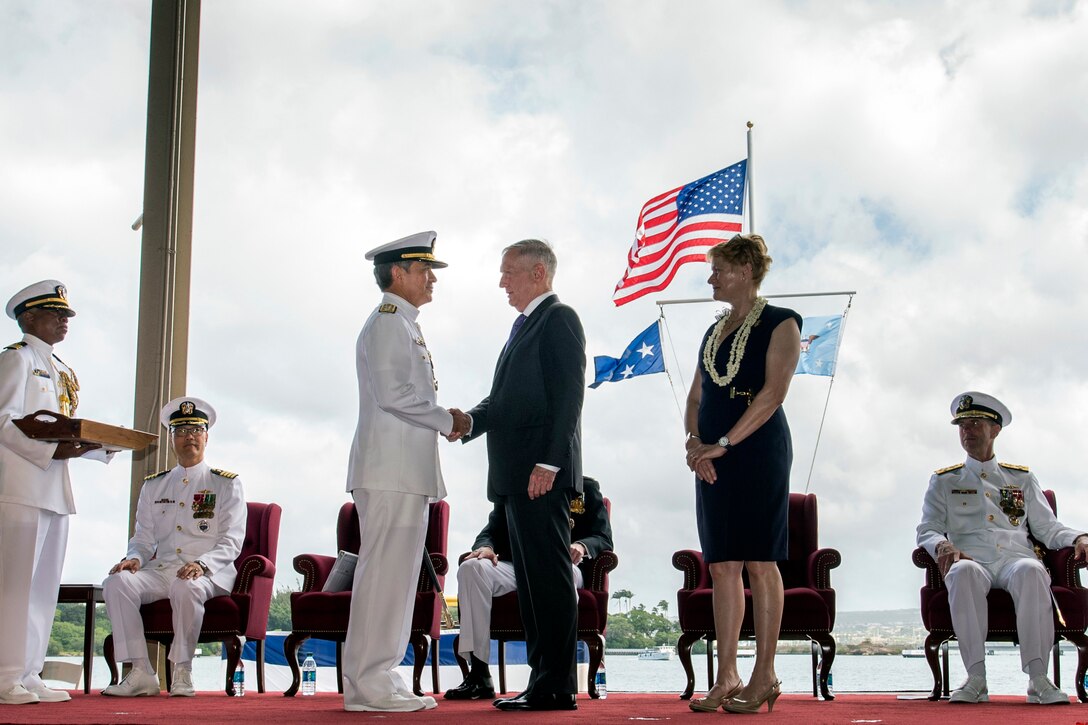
740 450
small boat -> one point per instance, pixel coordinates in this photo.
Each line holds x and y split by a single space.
746 653
914 653
663 652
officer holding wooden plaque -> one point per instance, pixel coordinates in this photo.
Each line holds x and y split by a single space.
35 489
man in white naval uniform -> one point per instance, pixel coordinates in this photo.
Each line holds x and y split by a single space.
393 474
35 490
975 524
190 523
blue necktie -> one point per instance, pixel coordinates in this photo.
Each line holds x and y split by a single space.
514 330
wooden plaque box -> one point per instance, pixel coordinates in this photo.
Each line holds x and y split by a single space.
45 425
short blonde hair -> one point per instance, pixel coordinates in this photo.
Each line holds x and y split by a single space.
743 249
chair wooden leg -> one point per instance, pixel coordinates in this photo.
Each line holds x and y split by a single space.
461 661
340 667
933 642
502 667
291 646
436 649
1081 641
944 668
260 666
111 662
827 658
168 668
595 645
419 660
711 645
815 667
233 646
1056 655
683 650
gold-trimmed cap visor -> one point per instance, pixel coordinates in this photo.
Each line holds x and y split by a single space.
417 247
973 404
49 294
187 410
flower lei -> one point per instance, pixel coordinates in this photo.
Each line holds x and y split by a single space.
736 351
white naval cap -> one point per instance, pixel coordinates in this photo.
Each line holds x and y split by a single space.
974 404
187 410
414 247
49 294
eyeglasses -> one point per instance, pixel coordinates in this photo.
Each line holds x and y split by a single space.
186 431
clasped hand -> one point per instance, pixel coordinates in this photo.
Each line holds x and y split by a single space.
700 457
462 425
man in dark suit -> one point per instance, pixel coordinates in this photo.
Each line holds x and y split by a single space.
487 573
532 419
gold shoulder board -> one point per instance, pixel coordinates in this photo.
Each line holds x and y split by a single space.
388 307
15 346
948 469
224 474
156 475
1014 467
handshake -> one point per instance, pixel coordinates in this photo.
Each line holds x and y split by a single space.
462 425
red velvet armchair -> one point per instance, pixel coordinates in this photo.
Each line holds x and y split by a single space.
809 611
227 619
1072 599
506 624
324 615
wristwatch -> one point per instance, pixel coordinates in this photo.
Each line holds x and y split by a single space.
724 442
202 565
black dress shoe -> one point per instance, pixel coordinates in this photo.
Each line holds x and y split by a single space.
519 697
560 701
472 689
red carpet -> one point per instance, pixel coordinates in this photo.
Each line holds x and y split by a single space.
210 708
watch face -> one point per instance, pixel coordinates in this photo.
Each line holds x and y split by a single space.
723 442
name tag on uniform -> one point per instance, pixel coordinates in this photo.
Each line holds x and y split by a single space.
166 500
965 491
40 373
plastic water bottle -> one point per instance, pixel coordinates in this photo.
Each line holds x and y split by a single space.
601 681
240 680
309 675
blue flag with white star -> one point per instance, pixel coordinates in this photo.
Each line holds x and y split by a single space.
819 345
642 357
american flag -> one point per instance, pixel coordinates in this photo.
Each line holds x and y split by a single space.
679 226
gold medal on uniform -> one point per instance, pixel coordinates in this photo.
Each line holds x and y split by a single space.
204 505
1012 503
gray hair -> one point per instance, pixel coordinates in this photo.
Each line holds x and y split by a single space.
383 273
536 250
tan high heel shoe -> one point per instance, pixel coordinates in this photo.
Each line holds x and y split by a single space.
711 703
751 706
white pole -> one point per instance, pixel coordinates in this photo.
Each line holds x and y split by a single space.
748 181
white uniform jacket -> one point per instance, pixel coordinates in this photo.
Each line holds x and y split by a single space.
986 510
186 514
29 382
396 439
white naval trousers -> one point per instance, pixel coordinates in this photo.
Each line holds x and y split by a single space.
392 531
1027 582
32 545
479 581
126 591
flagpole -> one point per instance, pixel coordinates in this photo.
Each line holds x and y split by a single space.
834 368
748 181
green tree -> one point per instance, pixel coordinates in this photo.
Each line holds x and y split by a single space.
624 597
279 613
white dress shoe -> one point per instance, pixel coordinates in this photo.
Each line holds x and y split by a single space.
18 695
429 703
137 684
48 694
395 702
1041 691
182 686
972 690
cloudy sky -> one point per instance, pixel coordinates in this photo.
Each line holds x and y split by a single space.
932 156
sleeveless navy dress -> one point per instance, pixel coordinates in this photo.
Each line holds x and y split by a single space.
742 516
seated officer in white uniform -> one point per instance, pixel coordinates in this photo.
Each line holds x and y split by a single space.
975 524
190 523
487 573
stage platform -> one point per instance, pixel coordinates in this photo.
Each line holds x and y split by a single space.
209 708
